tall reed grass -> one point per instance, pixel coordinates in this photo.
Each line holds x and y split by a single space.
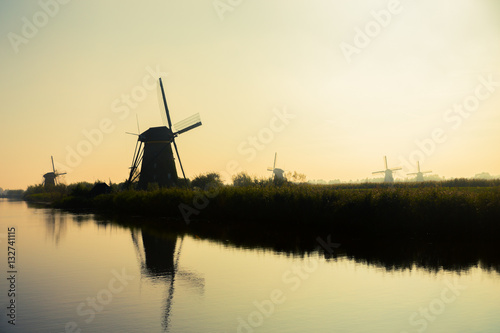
434 210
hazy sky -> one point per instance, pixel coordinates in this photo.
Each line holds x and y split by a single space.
332 86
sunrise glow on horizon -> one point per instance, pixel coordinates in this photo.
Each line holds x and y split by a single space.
331 87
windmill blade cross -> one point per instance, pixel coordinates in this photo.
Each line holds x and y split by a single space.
193 279
165 104
136 159
188 128
135 152
140 157
179 158
168 307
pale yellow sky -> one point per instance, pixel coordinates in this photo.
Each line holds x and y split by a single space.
331 86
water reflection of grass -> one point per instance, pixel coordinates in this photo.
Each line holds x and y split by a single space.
390 254
436 210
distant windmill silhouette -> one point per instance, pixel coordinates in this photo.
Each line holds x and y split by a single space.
420 174
278 173
388 172
50 178
153 151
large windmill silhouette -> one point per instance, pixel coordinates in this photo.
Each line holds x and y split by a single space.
388 172
153 160
419 174
50 178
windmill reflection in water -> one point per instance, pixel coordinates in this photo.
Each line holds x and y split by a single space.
159 259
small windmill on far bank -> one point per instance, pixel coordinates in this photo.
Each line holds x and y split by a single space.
420 174
277 172
388 172
50 178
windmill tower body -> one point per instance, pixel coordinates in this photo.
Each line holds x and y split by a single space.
388 176
158 165
279 173
49 179
159 255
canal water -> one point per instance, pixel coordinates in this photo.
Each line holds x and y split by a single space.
68 272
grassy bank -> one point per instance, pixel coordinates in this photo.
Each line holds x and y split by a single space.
430 210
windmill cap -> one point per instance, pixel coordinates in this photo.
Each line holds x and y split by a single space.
161 133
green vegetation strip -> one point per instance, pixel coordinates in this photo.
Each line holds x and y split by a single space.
443 212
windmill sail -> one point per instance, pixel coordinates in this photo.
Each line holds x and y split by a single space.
188 124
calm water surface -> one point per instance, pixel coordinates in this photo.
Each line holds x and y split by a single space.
79 274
